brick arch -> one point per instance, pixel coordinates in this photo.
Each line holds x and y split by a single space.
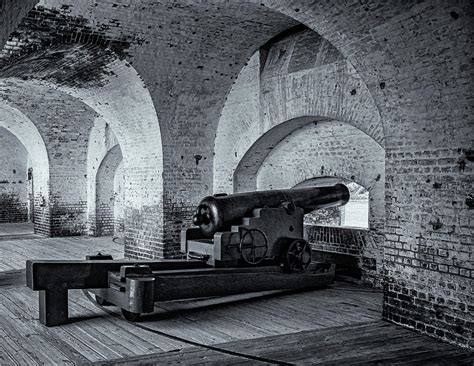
246 171
101 140
64 123
423 98
297 75
244 176
27 133
188 91
15 180
120 97
105 194
123 101
307 147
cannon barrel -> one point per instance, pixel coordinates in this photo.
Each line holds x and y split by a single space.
220 212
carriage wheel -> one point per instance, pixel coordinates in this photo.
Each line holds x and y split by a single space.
298 256
252 250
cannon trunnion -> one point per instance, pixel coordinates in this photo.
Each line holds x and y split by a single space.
250 242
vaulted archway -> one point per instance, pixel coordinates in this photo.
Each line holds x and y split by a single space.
27 133
105 192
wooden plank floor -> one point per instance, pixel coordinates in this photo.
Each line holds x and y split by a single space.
15 252
373 343
94 335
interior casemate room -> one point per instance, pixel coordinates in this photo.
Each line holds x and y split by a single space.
220 182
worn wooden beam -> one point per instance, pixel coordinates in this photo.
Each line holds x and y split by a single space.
221 283
84 274
53 306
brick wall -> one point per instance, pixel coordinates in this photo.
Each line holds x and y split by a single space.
356 243
414 58
188 86
136 128
135 124
42 215
63 124
13 178
201 90
87 63
12 208
104 220
336 239
67 218
119 199
422 95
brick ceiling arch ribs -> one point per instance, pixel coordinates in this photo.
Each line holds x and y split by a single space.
312 15
110 162
119 97
64 123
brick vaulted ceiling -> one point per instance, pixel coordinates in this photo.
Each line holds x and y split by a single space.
178 40
188 54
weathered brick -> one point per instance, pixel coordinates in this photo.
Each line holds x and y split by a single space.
14 183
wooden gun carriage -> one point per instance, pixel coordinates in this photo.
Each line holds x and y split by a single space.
247 242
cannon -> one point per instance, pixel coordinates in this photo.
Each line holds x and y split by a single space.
241 243
221 211
257 227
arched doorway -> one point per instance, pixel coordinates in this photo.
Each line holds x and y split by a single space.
35 156
106 195
14 179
